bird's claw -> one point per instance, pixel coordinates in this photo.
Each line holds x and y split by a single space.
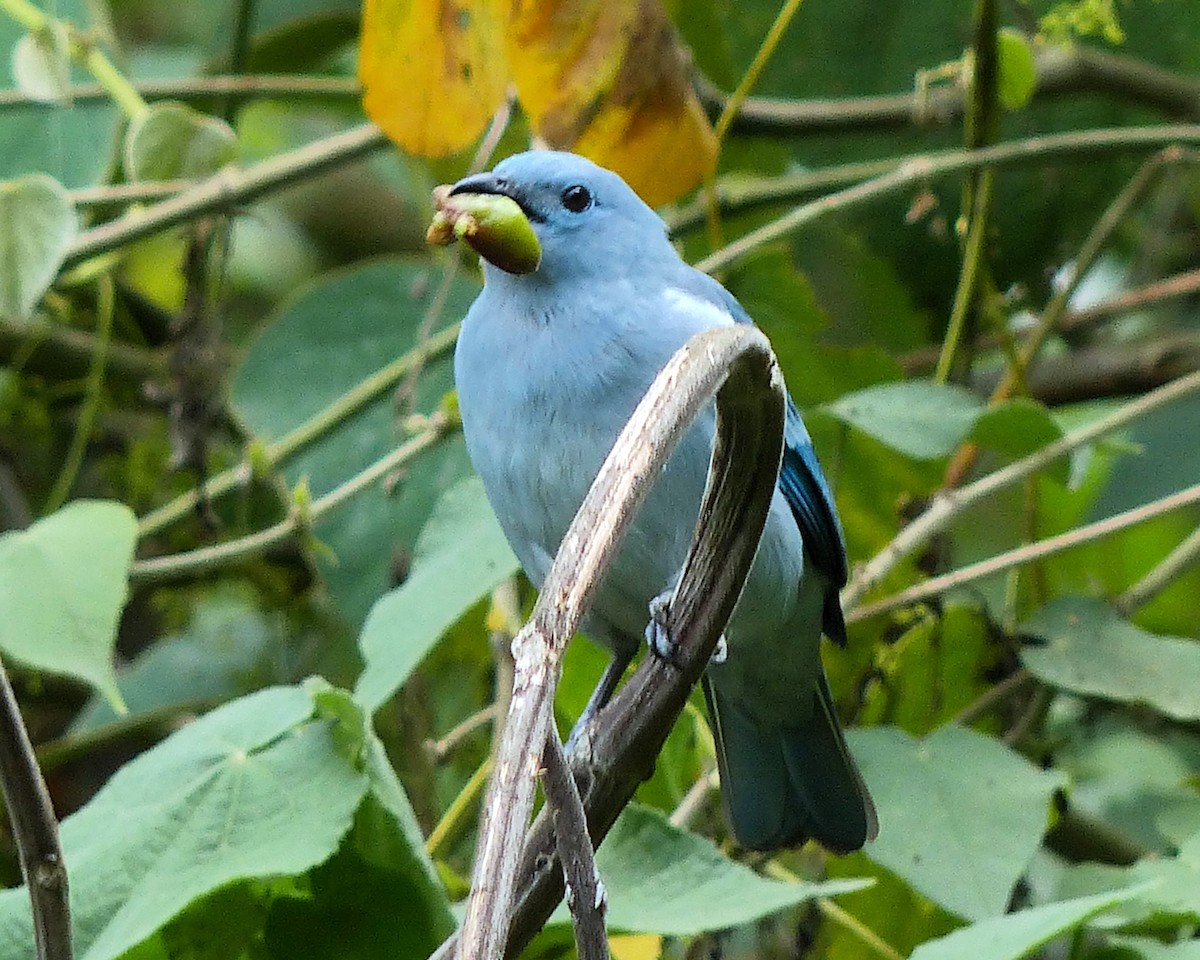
658 636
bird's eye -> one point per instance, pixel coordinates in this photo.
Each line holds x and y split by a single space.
577 198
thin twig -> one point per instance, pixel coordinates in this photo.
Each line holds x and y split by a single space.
244 86
442 747
847 921
1028 553
35 831
230 188
454 820
302 436
992 697
585 891
1168 570
923 167
202 559
949 504
697 793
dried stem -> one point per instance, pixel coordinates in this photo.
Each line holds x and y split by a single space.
585 892
625 737
949 504
1029 552
35 831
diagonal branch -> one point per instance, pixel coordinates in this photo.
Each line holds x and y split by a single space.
35 831
626 736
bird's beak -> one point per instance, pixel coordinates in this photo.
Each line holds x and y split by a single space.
484 211
491 185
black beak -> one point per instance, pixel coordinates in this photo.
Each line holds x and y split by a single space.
489 183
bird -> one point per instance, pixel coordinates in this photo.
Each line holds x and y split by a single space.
549 365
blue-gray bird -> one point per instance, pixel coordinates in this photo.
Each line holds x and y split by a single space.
549 366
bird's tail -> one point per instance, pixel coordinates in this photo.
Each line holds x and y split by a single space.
782 784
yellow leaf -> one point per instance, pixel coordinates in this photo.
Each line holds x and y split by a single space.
635 946
432 71
609 79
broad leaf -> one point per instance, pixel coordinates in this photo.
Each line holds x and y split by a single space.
1019 934
171 141
922 420
62 587
331 338
661 879
1090 649
257 788
432 75
961 814
461 556
37 225
41 65
612 81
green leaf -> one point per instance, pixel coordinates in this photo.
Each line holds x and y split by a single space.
919 419
961 814
460 557
334 335
1018 71
62 587
41 64
218 656
1092 650
1019 934
37 225
171 141
1018 427
257 788
661 879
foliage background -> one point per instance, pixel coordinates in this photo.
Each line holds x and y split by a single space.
1030 735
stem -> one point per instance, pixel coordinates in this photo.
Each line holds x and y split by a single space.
244 86
453 822
585 892
847 921
308 432
35 831
941 163
734 104
1169 569
202 559
105 308
84 50
230 188
948 504
1029 552
964 293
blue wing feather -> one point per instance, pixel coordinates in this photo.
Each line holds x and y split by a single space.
801 480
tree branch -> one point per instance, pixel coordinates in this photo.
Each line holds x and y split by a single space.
585 892
625 737
949 503
923 167
35 831
1029 552
1061 71
229 188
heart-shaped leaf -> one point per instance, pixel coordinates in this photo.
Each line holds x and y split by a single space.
37 225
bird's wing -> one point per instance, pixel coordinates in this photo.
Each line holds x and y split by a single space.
801 480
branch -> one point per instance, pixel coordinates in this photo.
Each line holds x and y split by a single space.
585 892
923 167
308 432
1028 553
203 559
625 737
243 86
1175 564
1061 71
949 503
35 832
229 188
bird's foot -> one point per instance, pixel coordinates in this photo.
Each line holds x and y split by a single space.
658 637
663 645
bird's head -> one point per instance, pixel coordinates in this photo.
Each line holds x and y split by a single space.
587 219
